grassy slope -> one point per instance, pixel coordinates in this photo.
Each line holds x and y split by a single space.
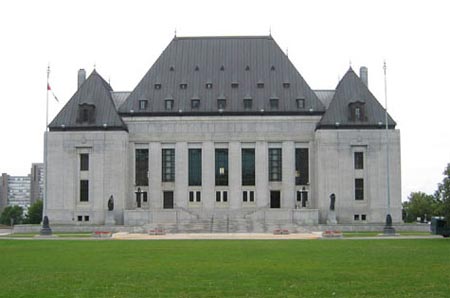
354 268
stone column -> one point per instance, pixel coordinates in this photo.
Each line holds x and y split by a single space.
234 174
181 174
154 169
288 173
261 174
208 175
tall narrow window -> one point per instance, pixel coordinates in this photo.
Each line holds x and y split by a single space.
275 162
359 189
273 103
248 103
221 104
141 167
168 104
301 166
84 190
195 167
359 160
221 166
143 104
168 165
300 103
84 162
248 166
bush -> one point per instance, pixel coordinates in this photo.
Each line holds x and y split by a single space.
12 212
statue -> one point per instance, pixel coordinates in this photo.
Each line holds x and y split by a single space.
332 201
46 230
111 203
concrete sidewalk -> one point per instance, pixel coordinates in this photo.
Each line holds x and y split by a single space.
215 236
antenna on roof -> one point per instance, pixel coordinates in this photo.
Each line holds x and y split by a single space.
350 63
287 52
175 32
270 30
95 65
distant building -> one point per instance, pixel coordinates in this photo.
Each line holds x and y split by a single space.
222 133
22 190
36 182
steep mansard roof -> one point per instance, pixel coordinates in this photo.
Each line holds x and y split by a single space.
96 92
351 89
256 64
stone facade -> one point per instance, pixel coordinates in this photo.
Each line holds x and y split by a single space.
93 157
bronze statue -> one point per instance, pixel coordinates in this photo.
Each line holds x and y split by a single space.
332 201
111 203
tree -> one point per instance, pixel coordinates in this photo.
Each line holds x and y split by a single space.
443 194
12 212
420 205
34 215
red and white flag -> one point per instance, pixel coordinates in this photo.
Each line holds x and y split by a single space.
50 89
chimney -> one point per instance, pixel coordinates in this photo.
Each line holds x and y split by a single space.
364 75
81 77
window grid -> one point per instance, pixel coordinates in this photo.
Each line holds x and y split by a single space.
84 190
168 165
221 166
359 160
195 167
359 189
248 166
275 162
84 162
141 167
301 166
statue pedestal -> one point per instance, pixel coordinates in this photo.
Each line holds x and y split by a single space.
46 231
109 219
331 219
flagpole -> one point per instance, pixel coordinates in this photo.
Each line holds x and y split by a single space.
388 228
46 114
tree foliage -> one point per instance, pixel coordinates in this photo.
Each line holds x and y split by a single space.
421 205
12 212
34 215
443 193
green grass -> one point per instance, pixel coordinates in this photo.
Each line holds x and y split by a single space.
63 235
375 234
305 268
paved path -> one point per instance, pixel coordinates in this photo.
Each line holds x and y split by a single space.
215 236
4 232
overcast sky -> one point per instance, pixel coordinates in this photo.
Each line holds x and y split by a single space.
124 38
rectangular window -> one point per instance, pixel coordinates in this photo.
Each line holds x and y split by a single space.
86 218
359 189
195 196
195 167
80 218
84 190
222 196
300 103
168 165
141 167
248 196
359 160
84 162
183 86
143 104
260 85
301 166
363 217
273 103
221 104
248 166
221 166
168 104
157 86
275 162
356 217
234 85
248 103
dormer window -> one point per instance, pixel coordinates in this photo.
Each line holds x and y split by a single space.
208 85
157 86
300 103
222 68
234 85
272 68
221 103
273 103
183 86
195 104
86 113
247 68
168 104
260 85
171 68
248 103
143 103
286 85
357 111
196 68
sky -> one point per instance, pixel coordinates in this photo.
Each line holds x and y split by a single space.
122 39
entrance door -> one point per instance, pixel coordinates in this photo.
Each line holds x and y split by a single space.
168 200
275 199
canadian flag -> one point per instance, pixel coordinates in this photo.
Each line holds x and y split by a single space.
50 89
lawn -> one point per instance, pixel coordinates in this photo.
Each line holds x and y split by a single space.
169 268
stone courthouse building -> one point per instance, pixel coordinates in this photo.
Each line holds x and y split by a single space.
222 134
